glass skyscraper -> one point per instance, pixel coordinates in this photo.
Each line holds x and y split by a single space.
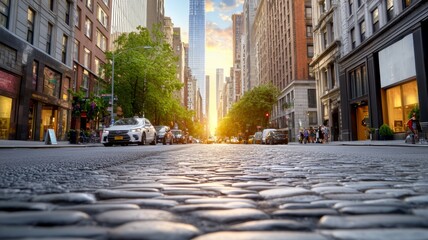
197 45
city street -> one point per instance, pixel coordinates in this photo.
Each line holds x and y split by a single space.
215 191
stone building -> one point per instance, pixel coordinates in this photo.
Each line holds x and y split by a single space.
383 71
326 31
36 40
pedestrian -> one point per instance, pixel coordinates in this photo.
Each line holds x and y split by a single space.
414 127
320 134
326 134
305 135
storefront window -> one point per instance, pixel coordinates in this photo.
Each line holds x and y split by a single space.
5 113
52 82
400 101
65 88
35 74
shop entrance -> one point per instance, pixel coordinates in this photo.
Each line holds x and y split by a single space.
362 119
49 120
5 113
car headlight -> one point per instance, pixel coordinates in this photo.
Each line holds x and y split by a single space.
105 132
136 130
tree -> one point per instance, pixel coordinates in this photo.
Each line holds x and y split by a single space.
145 74
249 112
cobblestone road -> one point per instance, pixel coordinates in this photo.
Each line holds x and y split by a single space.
208 192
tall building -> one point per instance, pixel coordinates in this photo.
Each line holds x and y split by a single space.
219 82
237 47
283 53
92 35
36 71
383 73
128 15
179 50
326 31
197 44
248 53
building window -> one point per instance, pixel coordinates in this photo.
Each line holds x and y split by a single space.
351 6
89 4
78 16
75 71
407 3
310 49
375 19
88 28
325 38
312 117
85 82
87 59
65 87
67 13
358 82
4 13
102 16
51 82
308 12
333 76
363 30
312 98
389 9
353 42
400 100
101 41
99 68
309 31
35 75
64 48
106 2
49 38
51 5
76 49
322 7
31 15
358 3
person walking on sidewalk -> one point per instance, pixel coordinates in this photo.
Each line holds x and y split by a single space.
414 127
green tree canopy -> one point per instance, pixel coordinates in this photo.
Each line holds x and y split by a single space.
249 112
145 75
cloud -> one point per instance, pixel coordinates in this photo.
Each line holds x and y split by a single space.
209 6
218 37
225 17
229 5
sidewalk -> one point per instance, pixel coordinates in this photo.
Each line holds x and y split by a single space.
65 144
40 144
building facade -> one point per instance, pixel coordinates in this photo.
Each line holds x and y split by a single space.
285 54
35 68
383 71
197 44
91 42
248 53
326 31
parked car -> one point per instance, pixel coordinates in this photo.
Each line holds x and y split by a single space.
251 139
129 131
276 137
164 135
179 137
264 134
258 138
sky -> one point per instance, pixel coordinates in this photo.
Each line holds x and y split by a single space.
218 48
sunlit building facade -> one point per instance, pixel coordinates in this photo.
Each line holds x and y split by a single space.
197 45
237 29
383 72
36 71
326 31
128 15
248 53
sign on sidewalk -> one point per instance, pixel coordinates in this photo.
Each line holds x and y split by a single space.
50 137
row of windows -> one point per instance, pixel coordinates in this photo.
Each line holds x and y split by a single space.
374 19
359 82
53 83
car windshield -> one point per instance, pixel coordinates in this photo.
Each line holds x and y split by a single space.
160 128
126 121
278 133
176 132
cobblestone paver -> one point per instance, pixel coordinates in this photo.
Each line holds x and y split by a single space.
232 192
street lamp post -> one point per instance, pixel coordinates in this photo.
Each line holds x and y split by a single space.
112 78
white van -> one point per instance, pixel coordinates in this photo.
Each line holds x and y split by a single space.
264 133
